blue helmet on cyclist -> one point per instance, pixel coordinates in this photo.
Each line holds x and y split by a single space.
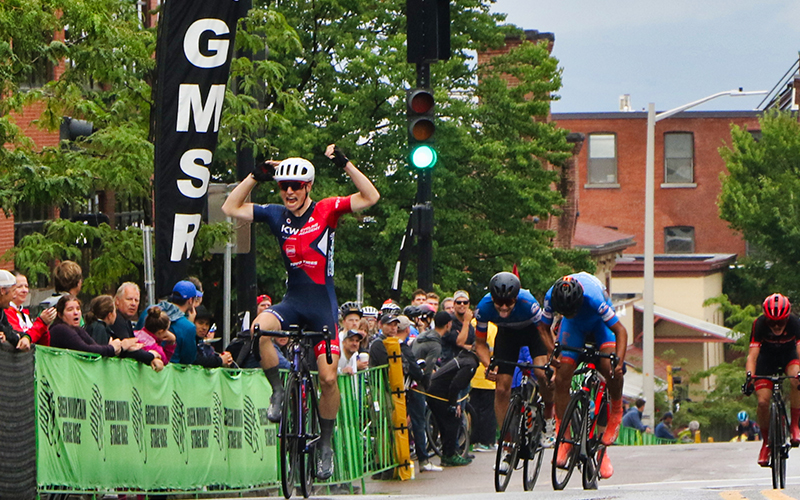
777 307
504 287
743 416
567 296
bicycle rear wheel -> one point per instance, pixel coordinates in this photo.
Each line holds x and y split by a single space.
569 435
508 445
288 432
532 463
310 436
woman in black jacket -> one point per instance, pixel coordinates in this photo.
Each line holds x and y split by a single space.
66 332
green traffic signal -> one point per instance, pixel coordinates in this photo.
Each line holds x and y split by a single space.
423 156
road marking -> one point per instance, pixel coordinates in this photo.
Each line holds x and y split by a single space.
776 495
732 495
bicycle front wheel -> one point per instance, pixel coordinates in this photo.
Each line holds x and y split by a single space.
289 432
532 463
433 435
309 438
777 439
508 445
568 442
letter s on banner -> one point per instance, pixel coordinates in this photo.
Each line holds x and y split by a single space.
190 167
219 47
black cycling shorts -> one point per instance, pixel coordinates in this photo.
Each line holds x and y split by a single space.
509 341
775 358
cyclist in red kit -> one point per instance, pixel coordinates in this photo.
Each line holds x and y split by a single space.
304 230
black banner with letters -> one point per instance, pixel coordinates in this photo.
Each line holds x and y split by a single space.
194 51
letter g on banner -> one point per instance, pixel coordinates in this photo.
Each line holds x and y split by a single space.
217 47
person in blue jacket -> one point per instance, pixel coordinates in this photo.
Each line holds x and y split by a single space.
177 306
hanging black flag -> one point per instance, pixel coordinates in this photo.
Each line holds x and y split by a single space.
195 46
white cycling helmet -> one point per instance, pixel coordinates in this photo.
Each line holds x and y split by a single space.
295 169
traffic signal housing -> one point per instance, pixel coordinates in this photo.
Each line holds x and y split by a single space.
420 107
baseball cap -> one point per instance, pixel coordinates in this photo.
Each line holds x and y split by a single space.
7 279
402 322
442 318
185 290
353 333
666 415
461 294
262 298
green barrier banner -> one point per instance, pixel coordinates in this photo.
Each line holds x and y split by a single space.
110 423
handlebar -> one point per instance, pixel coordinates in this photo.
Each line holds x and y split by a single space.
298 334
590 351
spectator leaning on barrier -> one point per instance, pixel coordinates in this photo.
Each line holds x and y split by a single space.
100 316
349 361
67 333
664 428
206 355
18 316
179 303
633 417
67 279
127 302
155 336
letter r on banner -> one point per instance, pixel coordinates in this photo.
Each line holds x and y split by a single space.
183 234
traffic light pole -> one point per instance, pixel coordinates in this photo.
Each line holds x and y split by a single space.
423 209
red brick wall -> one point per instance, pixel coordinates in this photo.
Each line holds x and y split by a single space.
623 207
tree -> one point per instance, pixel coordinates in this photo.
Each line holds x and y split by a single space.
336 72
758 200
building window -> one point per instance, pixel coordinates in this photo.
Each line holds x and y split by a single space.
678 158
679 239
602 167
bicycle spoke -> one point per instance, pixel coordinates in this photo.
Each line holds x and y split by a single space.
507 447
289 429
569 436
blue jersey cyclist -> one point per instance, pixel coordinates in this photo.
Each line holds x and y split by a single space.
304 230
587 316
518 318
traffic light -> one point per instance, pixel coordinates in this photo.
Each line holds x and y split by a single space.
672 380
420 107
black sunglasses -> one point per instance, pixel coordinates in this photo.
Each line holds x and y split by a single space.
295 185
462 302
505 302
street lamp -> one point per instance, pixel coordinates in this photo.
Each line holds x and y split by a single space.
648 340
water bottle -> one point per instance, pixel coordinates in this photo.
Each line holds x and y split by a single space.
591 407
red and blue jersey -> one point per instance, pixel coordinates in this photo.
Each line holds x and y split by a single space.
307 241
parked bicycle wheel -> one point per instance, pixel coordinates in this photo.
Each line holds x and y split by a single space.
289 431
532 461
432 433
569 435
308 467
507 450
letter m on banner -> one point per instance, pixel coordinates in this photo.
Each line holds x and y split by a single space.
194 51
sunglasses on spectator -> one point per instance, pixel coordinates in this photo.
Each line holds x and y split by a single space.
462 302
504 302
295 185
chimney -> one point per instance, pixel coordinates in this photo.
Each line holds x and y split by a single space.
625 103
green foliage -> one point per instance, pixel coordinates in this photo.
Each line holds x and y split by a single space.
758 199
335 72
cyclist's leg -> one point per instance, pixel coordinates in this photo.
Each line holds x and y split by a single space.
506 348
765 365
571 336
606 341
792 369
271 320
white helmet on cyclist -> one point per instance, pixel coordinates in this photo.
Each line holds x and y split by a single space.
294 169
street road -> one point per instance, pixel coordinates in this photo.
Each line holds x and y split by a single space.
718 471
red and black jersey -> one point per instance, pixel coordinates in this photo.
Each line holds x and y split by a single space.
762 335
307 241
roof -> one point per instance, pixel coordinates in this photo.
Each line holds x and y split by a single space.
599 239
675 265
642 115
711 331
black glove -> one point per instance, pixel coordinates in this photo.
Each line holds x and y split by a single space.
264 172
339 159
452 410
748 388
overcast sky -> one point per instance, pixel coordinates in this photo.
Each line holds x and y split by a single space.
667 52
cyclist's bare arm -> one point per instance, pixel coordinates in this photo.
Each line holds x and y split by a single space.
752 357
235 205
482 350
621 335
367 194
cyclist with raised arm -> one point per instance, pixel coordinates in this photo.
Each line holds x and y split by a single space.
587 315
518 317
304 230
774 348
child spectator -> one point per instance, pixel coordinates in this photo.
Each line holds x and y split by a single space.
101 315
155 336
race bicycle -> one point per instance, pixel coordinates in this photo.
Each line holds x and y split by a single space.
779 431
521 433
298 431
587 409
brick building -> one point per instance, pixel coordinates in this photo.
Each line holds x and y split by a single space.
611 176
